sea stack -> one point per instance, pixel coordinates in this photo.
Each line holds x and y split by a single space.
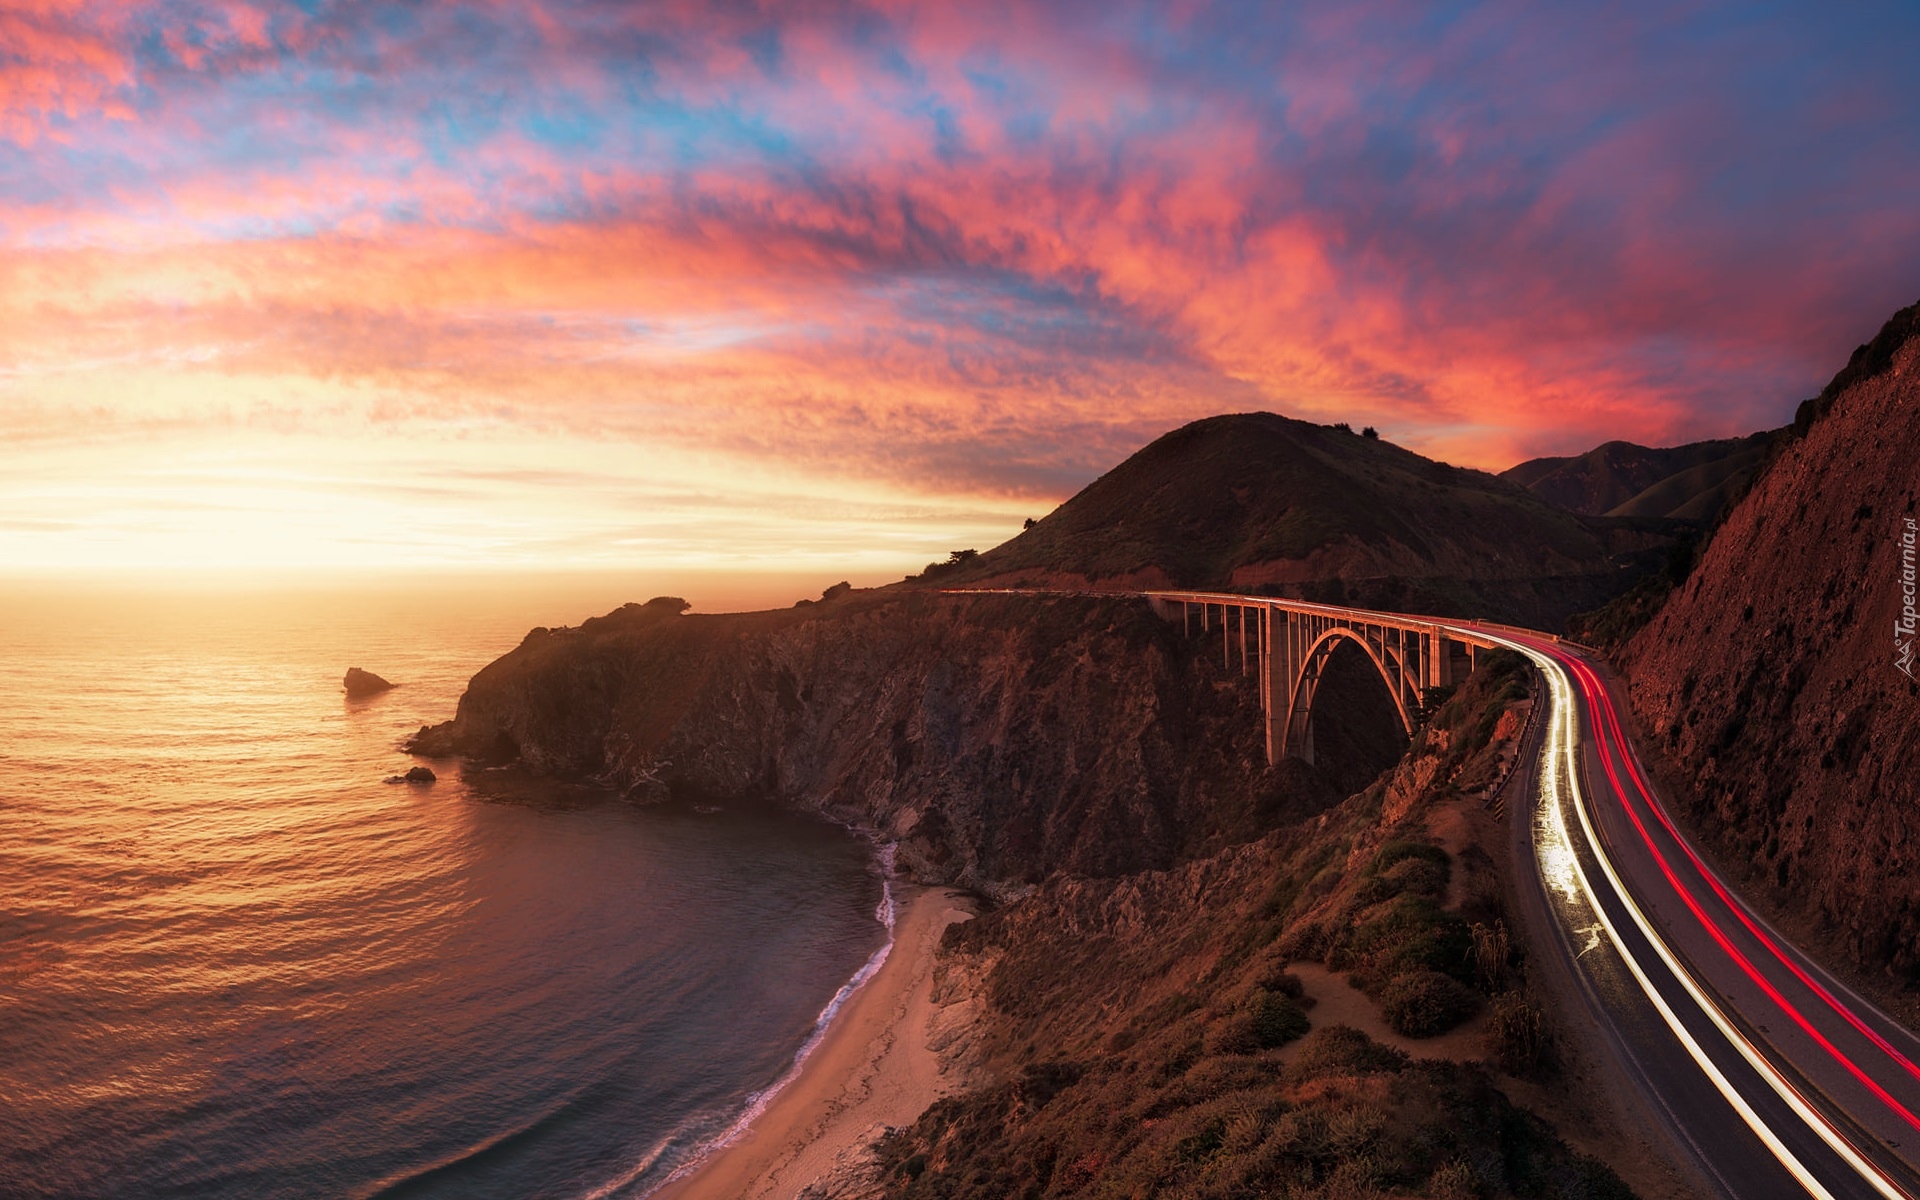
365 683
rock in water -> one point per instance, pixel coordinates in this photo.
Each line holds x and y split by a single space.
365 683
420 775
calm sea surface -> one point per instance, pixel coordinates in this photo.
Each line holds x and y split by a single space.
234 962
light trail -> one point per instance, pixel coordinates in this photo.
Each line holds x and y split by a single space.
1739 910
1564 766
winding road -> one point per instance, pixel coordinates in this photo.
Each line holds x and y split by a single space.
1776 1077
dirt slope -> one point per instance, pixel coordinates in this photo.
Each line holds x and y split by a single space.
1771 680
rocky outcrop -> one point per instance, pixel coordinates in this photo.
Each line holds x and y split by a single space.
997 738
1773 682
364 683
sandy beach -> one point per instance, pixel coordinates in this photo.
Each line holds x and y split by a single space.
878 1065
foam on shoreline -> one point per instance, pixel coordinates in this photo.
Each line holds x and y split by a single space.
886 913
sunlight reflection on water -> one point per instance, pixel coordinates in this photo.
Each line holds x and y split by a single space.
235 962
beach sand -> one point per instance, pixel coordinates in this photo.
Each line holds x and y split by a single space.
879 1065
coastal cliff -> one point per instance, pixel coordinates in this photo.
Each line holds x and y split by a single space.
997 739
1143 1020
1772 679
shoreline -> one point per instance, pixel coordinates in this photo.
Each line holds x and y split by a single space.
875 1065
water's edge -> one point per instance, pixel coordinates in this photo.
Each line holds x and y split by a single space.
757 1103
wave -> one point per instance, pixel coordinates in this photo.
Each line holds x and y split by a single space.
757 1102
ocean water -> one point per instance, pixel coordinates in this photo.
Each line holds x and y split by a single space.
235 962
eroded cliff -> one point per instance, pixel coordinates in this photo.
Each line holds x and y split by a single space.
1772 679
998 739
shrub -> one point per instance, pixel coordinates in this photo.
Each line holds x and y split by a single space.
1343 1050
1517 1038
1407 932
1234 1035
1492 951
1370 432
1278 979
1277 1020
1420 876
1422 1003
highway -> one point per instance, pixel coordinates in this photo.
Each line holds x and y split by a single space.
1778 1079
1773 1076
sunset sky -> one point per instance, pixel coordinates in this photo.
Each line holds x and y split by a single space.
584 284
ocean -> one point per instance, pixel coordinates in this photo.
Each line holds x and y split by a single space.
235 962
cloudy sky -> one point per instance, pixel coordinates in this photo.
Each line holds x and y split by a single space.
594 283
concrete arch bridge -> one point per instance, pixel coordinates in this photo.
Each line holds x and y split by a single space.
1287 644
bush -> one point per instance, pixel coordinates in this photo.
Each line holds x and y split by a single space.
1266 1021
1343 1050
1406 933
1277 1020
1517 1039
1278 979
1422 1003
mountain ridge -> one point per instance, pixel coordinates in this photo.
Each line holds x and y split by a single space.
1262 502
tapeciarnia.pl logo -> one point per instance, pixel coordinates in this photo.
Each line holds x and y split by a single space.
1904 625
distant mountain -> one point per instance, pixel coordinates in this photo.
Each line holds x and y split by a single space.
1620 479
1775 682
1257 501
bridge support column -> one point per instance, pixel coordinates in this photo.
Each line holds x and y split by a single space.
1278 684
1438 660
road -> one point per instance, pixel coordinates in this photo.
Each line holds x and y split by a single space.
1777 1078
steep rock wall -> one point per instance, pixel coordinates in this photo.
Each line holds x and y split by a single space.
998 738
1770 683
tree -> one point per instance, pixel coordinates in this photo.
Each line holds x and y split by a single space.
1370 432
1030 523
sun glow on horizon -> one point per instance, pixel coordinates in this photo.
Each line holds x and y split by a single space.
289 286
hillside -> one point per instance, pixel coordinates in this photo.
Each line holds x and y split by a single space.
1258 501
1621 479
997 739
1197 975
1772 679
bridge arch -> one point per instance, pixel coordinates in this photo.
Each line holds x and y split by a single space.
1388 662
1289 642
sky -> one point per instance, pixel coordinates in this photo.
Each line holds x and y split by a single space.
568 284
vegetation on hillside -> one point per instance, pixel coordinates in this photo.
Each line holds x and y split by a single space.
1243 499
1621 479
1152 1041
1609 626
1873 358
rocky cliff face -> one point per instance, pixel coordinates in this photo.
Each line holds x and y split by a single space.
1772 679
997 738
